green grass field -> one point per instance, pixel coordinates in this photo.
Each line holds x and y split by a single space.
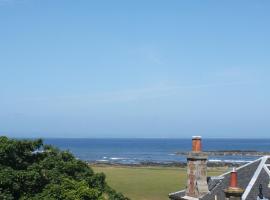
147 183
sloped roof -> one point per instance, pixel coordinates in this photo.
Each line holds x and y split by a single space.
250 176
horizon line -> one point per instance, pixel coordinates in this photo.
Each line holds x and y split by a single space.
136 137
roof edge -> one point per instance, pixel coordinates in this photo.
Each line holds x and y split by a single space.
249 163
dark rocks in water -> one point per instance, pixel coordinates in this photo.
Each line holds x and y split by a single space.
230 153
211 163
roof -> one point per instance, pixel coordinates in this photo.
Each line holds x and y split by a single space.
250 176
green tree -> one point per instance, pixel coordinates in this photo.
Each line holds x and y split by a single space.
30 170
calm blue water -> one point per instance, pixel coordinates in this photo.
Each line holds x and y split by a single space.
127 151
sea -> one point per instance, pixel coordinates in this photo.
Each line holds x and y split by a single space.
136 151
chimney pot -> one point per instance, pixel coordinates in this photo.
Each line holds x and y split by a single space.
233 192
197 143
233 181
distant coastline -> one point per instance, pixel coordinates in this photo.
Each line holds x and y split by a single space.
231 153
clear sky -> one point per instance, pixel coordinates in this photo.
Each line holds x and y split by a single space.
134 68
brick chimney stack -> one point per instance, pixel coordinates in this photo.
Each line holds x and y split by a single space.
197 170
233 192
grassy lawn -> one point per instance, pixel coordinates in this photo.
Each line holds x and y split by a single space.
147 183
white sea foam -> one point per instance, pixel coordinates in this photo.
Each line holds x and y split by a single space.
236 161
117 158
214 160
102 160
229 161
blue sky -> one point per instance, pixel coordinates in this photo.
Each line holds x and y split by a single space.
134 68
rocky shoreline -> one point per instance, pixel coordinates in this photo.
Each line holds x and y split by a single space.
230 153
211 163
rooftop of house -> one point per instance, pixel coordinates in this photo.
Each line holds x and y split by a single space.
250 177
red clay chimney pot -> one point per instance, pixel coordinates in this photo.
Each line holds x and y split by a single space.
233 192
233 181
196 143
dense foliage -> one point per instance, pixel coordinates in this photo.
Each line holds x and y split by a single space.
30 170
